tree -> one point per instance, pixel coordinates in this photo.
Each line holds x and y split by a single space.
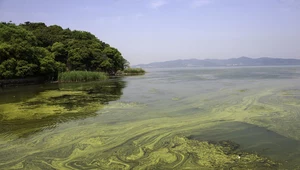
5 51
60 53
118 62
35 49
25 69
8 68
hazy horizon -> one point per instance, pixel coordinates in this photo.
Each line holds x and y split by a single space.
211 59
162 30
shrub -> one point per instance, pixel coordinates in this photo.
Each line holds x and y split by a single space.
134 71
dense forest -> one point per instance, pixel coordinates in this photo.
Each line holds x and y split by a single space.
35 49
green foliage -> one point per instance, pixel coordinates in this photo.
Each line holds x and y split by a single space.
8 68
114 60
13 34
61 67
25 69
59 51
35 49
79 76
48 65
5 51
134 71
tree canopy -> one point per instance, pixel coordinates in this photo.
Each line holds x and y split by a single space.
35 49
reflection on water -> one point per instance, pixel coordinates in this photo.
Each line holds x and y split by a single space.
47 105
159 121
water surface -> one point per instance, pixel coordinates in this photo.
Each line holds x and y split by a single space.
135 117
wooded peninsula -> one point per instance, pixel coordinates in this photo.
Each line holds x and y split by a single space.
35 50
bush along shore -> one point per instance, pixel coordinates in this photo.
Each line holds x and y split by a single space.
55 54
131 72
37 50
81 76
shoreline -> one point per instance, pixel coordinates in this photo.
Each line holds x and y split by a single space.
22 81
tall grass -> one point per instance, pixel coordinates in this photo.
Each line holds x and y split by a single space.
81 76
134 71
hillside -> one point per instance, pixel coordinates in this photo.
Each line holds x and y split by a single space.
35 49
242 61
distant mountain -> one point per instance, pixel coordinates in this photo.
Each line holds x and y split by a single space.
242 61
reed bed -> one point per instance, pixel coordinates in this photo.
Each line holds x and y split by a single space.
134 71
81 76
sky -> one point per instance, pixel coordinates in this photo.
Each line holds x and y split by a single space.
147 31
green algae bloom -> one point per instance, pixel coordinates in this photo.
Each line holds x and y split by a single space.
48 103
67 102
171 121
182 153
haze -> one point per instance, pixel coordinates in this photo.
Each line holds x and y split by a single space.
159 30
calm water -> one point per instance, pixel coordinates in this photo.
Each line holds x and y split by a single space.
256 107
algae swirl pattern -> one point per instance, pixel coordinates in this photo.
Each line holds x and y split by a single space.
231 125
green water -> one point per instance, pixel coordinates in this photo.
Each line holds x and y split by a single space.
138 122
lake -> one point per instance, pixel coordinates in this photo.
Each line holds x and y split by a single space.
171 118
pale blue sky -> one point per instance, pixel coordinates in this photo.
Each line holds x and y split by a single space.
159 30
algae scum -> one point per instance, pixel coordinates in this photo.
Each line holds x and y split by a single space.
191 118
